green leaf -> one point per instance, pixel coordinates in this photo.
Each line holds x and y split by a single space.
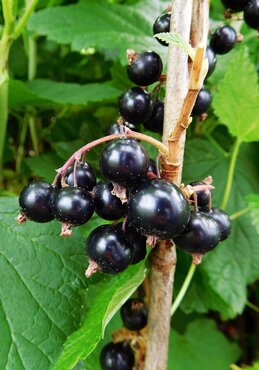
199 348
102 25
220 281
109 296
253 202
44 165
254 367
175 39
237 101
42 290
46 92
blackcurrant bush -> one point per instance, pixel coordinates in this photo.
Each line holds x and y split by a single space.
223 39
203 197
157 207
124 161
72 205
212 60
145 68
107 246
107 205
235 5
35 201
201 235
135 105
222 220
115 128
85 176
117 356
155 122
134 314
137 243
162 24
251 14
202 102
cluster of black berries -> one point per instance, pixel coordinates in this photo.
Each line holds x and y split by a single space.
120 355
250 9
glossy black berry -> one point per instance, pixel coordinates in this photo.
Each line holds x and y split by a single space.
202 102
157 207
201 235
222 220
137 243
72 205
235 5
145 68
35 201
107 205
115 128
117 356
85 176
134 314
251 14
212 60
152 166
223 39
107 246
135 105
203 197
124 161
155 122
162 24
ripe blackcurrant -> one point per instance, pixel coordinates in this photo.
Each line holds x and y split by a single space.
145 68
85 176
222 220
235 5
124 161
202 102
72 205
35 201
137 243
152 166
223 39
155 122
157 207
203 197
212 60
251 14
107 205
135 105
107 246
115 128
134 314
201 235
117 356
162 24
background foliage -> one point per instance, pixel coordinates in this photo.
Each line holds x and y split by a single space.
77 52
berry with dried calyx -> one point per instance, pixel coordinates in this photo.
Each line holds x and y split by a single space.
134 314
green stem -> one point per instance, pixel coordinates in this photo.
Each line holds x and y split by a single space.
20 150
230 174
183 289
239 213
252 306
3 122
24 18
7 13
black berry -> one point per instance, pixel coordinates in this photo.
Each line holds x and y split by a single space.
134 314
202 102
251 14
222 220
107 205
201 235
157 207
152 166
117 356
72 205
107 246
162 24
145 68
155 122
137 243
115 128
124 161
135 105
203 197
235 5
35 201
223 39
212 60
85 176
